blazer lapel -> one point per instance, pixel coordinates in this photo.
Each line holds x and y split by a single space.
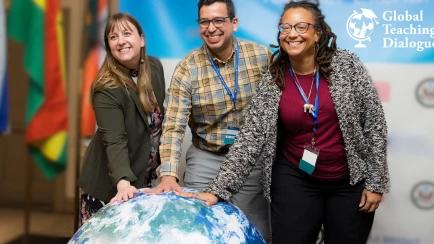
139 107
156 87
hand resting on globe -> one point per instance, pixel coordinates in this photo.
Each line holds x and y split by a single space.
209 198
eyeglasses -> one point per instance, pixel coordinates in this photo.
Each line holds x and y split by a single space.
300 27
217 22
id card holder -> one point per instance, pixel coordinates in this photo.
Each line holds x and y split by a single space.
230 134
308 160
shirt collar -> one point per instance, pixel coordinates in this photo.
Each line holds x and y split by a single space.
217 60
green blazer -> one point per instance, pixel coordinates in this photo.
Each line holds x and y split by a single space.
121 146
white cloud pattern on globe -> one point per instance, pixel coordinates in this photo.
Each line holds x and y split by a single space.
167 218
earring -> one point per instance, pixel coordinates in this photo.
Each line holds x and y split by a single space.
329 44
142 60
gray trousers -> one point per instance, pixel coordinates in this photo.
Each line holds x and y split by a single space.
203 166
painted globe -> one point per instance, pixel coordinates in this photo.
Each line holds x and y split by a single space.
167 218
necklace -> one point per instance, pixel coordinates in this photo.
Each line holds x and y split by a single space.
134 72
307 107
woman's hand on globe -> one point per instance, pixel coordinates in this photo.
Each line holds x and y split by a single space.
125 191
209 198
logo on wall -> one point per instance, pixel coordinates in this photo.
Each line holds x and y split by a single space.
398 29
360 26
425 92
422 195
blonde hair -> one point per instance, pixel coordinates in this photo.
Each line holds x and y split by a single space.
112 74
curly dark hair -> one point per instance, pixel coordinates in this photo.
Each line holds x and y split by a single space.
324 50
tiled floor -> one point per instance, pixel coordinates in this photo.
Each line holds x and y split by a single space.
41 223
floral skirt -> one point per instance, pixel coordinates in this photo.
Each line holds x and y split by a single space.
88 206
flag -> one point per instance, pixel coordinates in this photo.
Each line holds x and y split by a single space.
4 101
96 17
38 25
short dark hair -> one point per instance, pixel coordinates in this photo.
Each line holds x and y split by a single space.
229 6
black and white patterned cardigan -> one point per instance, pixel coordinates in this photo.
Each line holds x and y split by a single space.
361 119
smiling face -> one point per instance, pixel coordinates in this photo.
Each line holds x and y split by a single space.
125 44
218 39
299 46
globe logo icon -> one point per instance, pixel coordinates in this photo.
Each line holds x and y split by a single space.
360 26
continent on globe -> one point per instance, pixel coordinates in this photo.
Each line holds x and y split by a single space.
167 218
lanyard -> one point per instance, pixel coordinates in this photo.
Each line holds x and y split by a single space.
233 95
305 99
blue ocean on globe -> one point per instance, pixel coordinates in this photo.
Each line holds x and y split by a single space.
167 218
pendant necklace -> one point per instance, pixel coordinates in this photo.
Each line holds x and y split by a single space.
307 106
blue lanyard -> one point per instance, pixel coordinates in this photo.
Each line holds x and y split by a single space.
305 99
233 95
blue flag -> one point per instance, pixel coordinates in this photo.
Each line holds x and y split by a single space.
4 103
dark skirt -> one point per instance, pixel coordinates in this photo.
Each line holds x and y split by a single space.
88 206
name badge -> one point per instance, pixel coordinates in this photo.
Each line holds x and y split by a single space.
308 160
229 135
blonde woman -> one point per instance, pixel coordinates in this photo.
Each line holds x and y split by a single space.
127 97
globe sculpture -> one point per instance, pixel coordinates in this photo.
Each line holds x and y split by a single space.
360 26
167 218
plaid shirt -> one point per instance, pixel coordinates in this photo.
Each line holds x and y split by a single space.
197 97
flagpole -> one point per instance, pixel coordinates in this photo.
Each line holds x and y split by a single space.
29 199
74 76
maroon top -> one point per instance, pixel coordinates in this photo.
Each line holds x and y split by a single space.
296 126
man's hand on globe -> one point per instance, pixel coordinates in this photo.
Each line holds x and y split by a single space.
209 198
125 191
167 183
